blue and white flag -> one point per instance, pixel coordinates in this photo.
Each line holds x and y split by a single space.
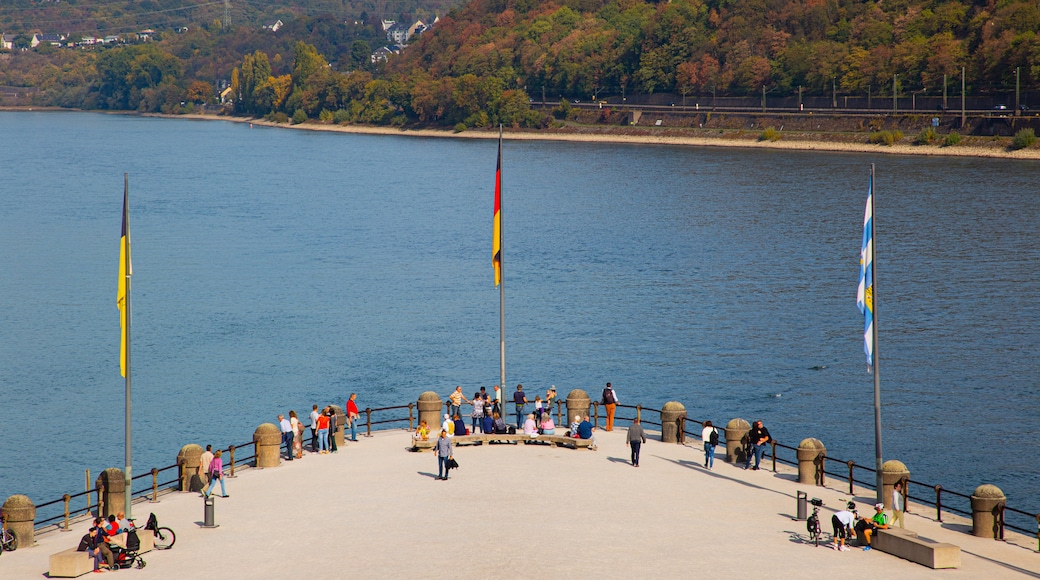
865 292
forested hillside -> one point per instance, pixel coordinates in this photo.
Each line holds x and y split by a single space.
482 61
589 47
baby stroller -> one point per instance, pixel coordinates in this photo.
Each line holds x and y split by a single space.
128 556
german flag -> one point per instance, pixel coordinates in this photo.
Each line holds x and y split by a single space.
125 271
496 242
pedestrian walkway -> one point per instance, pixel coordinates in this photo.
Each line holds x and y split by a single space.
374 510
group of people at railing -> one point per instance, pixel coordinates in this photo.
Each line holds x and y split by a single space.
324 426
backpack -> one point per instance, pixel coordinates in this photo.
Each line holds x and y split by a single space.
714 437
608 397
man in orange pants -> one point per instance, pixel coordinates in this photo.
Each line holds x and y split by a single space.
610 401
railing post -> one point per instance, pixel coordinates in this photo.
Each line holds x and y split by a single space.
65 528
559 412
155 485
1038 531
185 478
231 450
639 411
938 503
681 435
820 468
368 417
101 499
87 488
595 407
411 418
1000 522
773 443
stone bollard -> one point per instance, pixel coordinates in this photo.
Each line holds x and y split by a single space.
114 481
891 472
671 413
985 511
577 404
736 432
341 421
809 451
188 460
268 439
20 513
430 411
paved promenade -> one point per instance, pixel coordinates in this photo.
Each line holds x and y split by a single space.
375 511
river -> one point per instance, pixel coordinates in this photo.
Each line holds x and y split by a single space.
276 268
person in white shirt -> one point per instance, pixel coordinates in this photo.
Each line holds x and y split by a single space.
709 447
898 503
287 435
842 522
314 429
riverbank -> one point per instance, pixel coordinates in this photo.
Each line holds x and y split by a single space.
791 141
527 511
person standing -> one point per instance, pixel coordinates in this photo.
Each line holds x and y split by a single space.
297 431
520 402
443 448
759 438
550 395
216 473
898 503
333 427
456 398
287 435
352 415
314 429
610 401
477 416
710 436
323 433
204 461
635 440
497 401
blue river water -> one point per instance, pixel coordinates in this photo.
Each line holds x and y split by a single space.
275 268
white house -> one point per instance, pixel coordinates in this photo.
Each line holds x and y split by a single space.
6 42
274 26
48 38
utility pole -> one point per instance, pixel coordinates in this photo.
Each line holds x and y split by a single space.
834 93
763 98
868 97
1016 90
227 14
799 97
895 94
963 116
944 92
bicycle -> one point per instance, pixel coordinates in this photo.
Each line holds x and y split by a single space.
813 523
164 537
7 540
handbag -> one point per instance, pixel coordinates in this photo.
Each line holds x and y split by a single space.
452 464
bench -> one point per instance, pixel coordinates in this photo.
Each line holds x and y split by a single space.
907 545
482 438
70 563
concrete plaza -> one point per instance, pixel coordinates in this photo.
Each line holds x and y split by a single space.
374 510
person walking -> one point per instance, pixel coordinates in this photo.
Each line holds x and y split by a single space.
207 457
352 415
635 440
610 401
443 448
287 435
898 503
216 473
710 436
520 402
759 438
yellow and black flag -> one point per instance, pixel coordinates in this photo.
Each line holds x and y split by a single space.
125 271
496 243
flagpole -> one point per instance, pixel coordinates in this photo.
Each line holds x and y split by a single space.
874 338
126 264
501 291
